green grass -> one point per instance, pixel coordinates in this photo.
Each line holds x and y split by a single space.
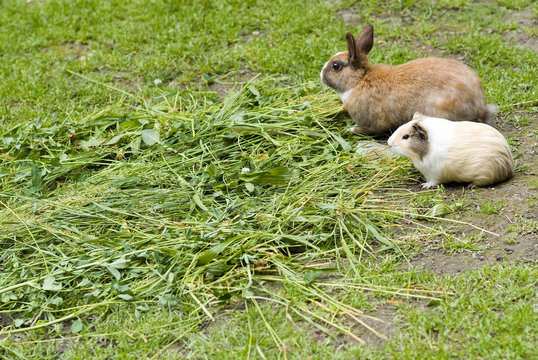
503 298
426 330
142 215
490 207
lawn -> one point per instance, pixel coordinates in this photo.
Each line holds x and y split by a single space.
176 182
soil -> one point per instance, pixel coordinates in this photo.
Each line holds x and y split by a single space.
526 20
514 226
224 87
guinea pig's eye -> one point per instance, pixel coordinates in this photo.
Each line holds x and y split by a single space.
405 137
337 66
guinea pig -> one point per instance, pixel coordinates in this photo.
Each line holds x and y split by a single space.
454 151
379 98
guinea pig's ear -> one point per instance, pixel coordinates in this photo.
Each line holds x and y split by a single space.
420 131
418 116
365 40
352 50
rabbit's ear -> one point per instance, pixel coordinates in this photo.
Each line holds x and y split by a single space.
351 49
365 40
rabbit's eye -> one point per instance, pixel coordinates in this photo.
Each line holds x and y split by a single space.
337 66
405 137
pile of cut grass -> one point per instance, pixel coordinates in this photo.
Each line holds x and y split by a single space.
192 203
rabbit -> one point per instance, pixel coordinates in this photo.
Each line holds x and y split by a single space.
454 151
379 98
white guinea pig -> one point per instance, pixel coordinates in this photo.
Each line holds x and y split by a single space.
454 151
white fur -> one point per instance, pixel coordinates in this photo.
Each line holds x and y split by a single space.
345 95
441 135
322 69
492 110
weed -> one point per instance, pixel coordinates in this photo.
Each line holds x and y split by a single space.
510 239
523 225
521 120
490 207
463 242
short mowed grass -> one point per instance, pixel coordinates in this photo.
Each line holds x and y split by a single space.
175 182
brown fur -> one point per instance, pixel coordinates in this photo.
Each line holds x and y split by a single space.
384 97
418 141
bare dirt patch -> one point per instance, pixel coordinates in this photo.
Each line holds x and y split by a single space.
225 86
525 36
130 82
382 321
71 50
222 85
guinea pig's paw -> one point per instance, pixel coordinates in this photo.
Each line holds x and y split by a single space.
355 130
428 185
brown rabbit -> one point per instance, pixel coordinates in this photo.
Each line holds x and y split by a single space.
380 98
